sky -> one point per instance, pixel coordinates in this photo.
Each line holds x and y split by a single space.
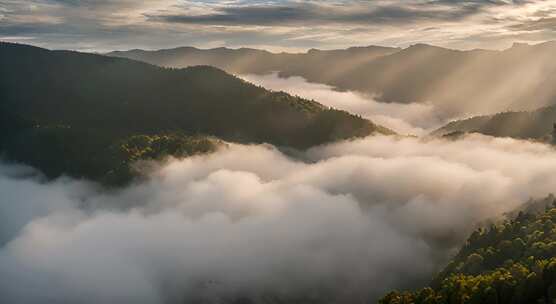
275 25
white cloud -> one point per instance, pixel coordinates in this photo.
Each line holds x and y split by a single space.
354 220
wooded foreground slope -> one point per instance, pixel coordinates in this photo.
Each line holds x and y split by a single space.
509 263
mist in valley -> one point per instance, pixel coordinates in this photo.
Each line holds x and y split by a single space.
450 83
342 222
409 119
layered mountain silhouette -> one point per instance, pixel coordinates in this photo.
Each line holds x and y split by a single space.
312 65
68 112
522 77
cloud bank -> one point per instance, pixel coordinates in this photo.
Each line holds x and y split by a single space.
347 223
409 118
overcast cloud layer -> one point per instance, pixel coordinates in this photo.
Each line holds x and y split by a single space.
276 25
352 221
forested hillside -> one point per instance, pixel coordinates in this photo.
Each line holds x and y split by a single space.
537 124
511 262
62 111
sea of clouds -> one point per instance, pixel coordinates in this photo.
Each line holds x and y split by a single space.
343 222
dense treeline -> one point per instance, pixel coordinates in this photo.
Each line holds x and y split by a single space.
60 110
538 125
511 262
57 150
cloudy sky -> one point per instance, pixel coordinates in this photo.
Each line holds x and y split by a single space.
276 25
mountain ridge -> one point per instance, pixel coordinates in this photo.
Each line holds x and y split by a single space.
456 81
536 125
56 102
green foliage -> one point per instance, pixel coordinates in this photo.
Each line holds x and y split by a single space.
513 262
122 155
83 153
141 147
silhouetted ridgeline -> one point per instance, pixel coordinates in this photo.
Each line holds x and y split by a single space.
62 111
521 78
314 65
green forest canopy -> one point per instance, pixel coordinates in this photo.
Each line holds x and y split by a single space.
512 262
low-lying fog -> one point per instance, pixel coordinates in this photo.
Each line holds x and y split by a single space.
411 118
353 220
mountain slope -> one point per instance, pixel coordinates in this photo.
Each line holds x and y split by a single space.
84 101
513 262
537 124
474 81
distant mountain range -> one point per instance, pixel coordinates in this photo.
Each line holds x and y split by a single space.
84 115
522 77
244 61
538 124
